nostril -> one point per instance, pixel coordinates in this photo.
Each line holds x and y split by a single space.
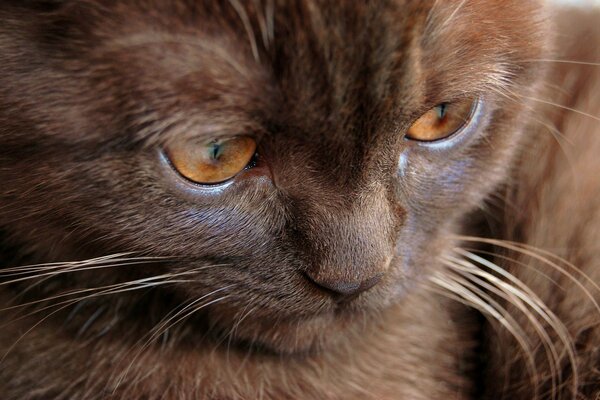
345 288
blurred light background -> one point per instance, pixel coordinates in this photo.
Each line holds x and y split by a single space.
578 2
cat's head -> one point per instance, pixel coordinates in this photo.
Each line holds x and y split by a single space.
302 160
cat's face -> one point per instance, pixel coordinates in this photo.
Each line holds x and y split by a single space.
337 214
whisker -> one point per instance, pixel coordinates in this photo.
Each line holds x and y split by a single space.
262 23
245 313
41 266
86 290
15 271
125 288
442 25
117 288
530 298
166 324
270 18
517 298
91 320
72 268
551 103
46 276
559 61
170 278
543 256
155 332
458 289
562 140
514 261
241 12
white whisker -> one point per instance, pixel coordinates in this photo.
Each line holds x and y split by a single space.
241 12
543 256
71 268
170 277
126 287
165 324
559 61
460 290
551 103
517 298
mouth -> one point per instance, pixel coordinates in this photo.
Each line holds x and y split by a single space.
306 318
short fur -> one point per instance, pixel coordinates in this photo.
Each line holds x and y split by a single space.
92 91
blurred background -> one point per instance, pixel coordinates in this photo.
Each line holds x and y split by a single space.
579 2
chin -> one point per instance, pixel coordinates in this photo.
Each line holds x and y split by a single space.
295 335
298 337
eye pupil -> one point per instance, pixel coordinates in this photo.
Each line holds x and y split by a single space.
441 110
215 150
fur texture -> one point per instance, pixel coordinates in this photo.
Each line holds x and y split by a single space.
191 292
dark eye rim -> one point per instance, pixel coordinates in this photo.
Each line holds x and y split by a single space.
474 115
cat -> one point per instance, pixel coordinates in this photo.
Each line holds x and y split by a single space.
298 200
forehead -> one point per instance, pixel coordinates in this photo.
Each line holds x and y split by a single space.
311 62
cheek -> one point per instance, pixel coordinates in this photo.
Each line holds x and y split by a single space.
430 185
436 193
437 190
442 184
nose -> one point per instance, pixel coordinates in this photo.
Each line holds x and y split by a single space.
344 288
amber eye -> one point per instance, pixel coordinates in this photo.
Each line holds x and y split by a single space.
213 161
442 121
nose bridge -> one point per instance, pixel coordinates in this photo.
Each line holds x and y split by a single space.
353 246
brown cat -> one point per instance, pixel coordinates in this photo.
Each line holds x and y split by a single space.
298 200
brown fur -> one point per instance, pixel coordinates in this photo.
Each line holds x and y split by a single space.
554 205
90 91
